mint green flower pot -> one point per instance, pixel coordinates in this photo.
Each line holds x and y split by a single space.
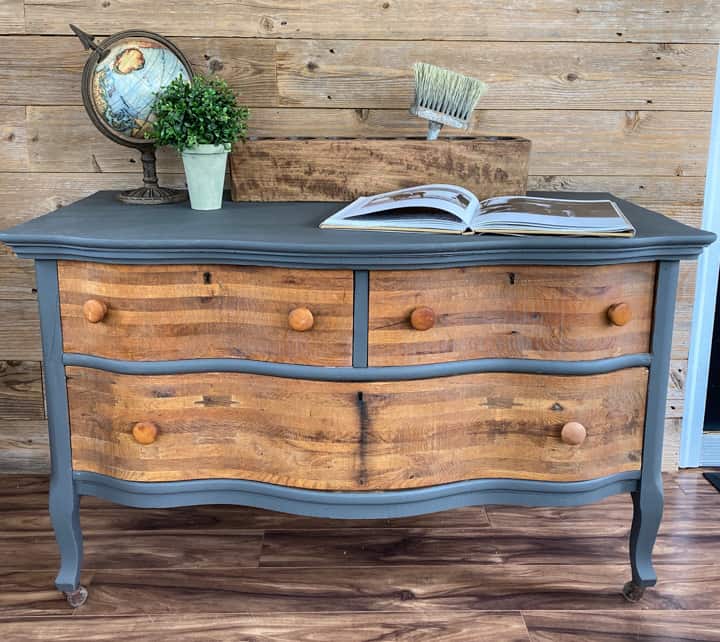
205 175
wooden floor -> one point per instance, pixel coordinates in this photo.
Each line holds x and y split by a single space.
232 573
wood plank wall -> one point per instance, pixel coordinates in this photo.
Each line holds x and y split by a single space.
615 95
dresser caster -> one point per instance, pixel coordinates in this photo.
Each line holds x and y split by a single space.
632 592
78 597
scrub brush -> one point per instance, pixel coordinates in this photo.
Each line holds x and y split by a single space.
444 97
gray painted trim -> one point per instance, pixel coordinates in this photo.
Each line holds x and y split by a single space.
286 234
357 505
388 373
64 501
365 261
648 500
361 317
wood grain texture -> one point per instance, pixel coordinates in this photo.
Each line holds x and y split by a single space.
613 21
21 390
27 195
356 436
248 64
338 627
17 276
24 447
436 547
532 75
13 142
566 142
534 312
341 170
417 581
147 550
12 16
362 73
409 589
610 626
20 330
167 312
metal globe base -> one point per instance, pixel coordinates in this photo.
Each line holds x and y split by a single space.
152 195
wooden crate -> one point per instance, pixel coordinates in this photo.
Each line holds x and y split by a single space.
330 169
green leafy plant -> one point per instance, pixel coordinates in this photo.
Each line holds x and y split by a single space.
202 111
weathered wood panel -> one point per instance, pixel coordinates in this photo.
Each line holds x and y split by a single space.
17 276
21 390
352 73
609 21
12 16
322 169
568 142
20 330
24 447
533 312
28 79
13 143
360 74
26 195
356 436
167 312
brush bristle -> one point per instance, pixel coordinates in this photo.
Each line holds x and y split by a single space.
446 91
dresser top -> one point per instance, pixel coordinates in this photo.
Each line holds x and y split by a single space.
100 228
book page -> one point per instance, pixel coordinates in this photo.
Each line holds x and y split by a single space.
438 206
535 213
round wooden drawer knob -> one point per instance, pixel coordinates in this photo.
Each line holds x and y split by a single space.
573 433
422 318
94 311
145 432
301 319
619 313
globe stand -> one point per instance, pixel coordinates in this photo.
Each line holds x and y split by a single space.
151 193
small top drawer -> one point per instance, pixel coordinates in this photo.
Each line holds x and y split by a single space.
524 311
164 312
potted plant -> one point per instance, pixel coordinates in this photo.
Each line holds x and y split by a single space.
201 119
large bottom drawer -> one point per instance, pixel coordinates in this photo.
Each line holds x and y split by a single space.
354 436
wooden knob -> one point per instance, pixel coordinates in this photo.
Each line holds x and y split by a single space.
301 319
145 432
619 313
94 310
573 433
422 318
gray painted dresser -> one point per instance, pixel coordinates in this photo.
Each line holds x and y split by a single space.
246 357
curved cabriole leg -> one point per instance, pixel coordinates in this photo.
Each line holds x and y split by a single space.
65 516
64 501
648 498
647 513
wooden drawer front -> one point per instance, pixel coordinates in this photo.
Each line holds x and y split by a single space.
163 312
530 311
356 436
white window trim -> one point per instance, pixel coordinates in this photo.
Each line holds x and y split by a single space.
697 449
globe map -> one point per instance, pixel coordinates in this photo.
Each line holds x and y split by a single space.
126 80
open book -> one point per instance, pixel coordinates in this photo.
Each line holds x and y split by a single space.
451 209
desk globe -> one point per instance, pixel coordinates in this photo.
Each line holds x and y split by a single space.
119 83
